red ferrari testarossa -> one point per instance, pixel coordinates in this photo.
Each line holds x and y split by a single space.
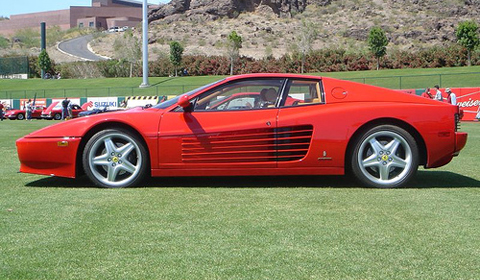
255 124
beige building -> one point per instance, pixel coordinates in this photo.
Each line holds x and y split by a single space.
103 14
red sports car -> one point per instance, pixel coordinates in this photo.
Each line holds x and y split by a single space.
54 111
21 114
301 125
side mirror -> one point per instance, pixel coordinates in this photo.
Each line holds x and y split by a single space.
184 101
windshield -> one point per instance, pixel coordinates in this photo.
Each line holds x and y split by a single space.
172 101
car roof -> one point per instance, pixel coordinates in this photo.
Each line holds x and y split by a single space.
272 75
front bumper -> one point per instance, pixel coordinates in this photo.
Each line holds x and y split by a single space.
54 156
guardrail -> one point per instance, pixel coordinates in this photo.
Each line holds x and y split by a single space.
394 82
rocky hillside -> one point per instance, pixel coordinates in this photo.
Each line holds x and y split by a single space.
213 9
270 27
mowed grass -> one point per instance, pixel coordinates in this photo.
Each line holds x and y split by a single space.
239 228
395 79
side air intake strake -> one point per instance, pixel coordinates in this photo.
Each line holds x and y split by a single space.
255 145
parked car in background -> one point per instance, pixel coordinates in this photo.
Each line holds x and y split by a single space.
54 111
256 125
98 110
18 114
94 111
114 29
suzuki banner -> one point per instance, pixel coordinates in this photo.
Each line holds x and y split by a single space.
99 102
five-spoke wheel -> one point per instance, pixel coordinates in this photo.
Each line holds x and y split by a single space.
385 156
115 158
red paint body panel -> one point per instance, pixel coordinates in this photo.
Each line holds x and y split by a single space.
44 139
292 140
461 141
45 156
199 172
177 127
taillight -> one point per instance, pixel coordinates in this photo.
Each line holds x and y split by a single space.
458 117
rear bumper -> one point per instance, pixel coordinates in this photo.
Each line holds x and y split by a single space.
460 141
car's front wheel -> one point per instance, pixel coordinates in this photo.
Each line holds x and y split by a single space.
57 116
385 156
20 117
115 158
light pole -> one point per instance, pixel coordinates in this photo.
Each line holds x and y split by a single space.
43 44
145 44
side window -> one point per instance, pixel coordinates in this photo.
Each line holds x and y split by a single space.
248 94
303 92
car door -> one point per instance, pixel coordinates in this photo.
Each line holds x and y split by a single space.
307 141
223 129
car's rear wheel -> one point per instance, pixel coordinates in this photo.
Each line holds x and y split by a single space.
57 117
20 117
385 156
115 158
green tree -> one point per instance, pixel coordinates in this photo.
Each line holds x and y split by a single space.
467 36
377 43
44 62
176 52
306 37
234 44
127 48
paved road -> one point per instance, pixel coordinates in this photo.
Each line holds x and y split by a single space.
78 47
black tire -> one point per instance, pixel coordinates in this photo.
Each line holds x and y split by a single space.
385 156
20 117
57 117
115 158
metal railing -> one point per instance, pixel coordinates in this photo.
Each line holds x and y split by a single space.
471 79
98 92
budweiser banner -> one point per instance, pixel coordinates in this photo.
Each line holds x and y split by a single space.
469 100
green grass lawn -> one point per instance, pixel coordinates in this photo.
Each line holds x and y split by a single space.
396 79
239 228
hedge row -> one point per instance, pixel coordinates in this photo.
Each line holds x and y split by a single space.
327 60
